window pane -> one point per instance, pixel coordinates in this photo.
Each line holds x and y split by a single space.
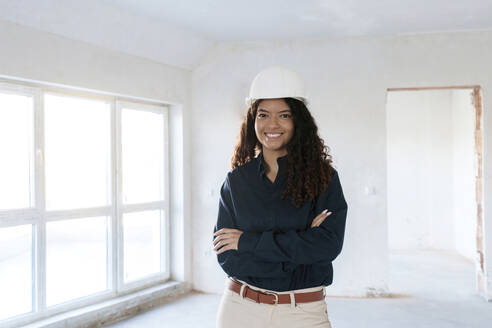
16 145
141 235
75 258
77 155
142 156
15 270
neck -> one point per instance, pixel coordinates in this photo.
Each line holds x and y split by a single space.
270 158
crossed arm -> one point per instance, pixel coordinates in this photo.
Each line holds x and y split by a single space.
233 263
274 254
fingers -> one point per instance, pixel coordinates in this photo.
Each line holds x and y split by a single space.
225 248
316 223
219 242
226 230
226 234
320 218
226 240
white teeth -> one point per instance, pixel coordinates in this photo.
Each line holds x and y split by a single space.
273 135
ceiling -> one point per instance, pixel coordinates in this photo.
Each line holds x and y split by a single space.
181 32
229 20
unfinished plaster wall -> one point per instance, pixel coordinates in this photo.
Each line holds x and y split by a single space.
347 81
441 170
419 141
464 168
431 200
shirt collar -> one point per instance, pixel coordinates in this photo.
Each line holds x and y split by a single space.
261 166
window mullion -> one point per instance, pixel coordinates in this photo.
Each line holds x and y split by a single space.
118 239
113 226
39 294
165 235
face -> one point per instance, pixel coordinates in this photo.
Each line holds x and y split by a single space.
274 125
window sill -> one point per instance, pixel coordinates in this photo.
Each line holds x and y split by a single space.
116 309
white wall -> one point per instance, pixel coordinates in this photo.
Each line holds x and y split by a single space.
347 80
430 150
108 24
30 54
465 168
441 172
412 157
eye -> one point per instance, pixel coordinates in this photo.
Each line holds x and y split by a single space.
286 115
260 115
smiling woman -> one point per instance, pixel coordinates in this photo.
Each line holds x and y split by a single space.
282 213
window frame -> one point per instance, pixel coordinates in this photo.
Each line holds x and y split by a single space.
37 216
157 205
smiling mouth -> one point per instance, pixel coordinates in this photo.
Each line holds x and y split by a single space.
273 135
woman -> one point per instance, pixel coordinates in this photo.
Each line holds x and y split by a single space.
282 212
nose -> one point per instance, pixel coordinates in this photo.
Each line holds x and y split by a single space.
273 122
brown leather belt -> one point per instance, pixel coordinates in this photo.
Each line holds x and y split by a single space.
274 298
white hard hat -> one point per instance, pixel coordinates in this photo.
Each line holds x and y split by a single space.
277 82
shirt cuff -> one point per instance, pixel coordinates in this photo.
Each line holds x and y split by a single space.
247 242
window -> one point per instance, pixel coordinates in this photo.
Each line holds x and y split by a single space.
16 174
15 270
83 199
143 209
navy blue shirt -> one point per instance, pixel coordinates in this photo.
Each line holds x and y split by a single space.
278 249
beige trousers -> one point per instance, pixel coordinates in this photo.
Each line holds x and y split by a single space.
237 312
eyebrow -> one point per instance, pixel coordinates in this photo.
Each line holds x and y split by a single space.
282 111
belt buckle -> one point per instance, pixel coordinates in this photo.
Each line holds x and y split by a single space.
274 294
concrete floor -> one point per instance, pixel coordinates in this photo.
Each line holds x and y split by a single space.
430 288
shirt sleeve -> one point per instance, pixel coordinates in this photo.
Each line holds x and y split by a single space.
317 244
242 265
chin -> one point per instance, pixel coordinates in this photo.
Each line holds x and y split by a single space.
279 148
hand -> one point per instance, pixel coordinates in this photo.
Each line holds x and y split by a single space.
320 218
226 239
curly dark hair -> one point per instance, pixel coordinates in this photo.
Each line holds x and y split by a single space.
309 166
